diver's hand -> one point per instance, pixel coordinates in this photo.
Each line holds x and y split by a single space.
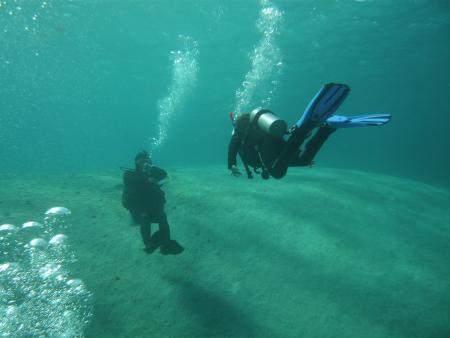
147 168
152 180
235 171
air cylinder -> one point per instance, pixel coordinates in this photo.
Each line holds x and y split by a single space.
268 122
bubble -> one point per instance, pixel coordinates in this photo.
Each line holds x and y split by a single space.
31 224
4 267
184 77
60 250
260 82
31 230
8 227
59 239
38 243
58 211
49 270
9 243
56 220
60 278
75 283
36 297
11 310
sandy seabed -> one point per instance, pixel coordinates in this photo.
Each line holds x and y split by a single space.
321 253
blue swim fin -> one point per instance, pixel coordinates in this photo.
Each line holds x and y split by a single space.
337 121
324 103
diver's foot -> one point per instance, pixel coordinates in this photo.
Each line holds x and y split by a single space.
265 175
151 247
172 247
154 243
337 121
324 104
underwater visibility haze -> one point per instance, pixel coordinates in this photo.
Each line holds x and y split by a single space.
85 85
84 82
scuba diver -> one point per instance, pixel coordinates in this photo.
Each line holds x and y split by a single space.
143 197
259 137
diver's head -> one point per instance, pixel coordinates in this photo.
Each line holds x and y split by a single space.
142 160
242 117
242 121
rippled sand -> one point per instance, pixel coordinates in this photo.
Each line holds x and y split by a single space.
321 253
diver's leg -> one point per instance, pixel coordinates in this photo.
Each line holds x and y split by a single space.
269 150
135 216
146 233
313 146
164 229
322 106
298 136
168 246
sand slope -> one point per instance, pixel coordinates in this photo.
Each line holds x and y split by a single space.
321 253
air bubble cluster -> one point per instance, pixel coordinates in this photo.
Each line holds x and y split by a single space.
261 81
38 295
184 77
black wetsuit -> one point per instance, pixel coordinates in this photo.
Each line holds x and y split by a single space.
275 155
245 141
143 197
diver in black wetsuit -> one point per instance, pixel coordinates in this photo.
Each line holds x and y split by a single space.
271 156
143 197
258 137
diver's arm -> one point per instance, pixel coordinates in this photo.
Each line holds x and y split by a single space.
129 194
157 173
235 171
247 169
233 149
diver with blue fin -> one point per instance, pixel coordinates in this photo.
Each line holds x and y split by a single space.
259 137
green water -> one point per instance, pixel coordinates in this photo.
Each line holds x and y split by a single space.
86 84
81 79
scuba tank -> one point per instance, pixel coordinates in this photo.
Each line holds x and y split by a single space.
268 122
254 128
